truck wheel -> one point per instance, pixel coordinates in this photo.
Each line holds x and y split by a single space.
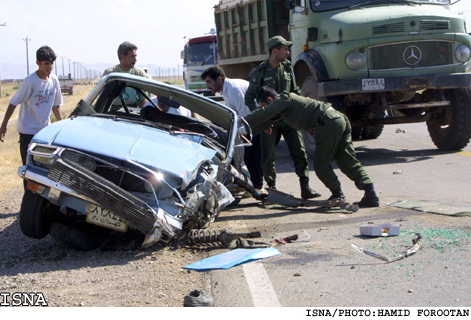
35 215
374 131
450 128
74 237
309 88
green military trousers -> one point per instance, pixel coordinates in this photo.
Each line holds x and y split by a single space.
294 141
333 135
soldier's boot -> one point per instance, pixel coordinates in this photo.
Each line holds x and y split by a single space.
271 185
306 191
337 195
370 199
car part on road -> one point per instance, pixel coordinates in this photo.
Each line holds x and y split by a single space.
287 200
217 237
410 251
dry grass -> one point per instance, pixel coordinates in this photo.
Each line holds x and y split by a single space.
10 158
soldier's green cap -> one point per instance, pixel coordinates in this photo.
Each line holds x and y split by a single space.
276 40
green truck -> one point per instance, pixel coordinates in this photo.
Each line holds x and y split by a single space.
380 61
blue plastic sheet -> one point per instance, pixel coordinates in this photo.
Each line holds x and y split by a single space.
232 258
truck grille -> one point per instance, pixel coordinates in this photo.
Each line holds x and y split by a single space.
390 28
424 25
410 55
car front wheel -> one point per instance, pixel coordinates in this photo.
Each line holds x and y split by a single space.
35 215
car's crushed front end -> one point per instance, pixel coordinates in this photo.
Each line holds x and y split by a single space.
110 167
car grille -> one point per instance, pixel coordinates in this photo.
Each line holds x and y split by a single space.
103 192
410 55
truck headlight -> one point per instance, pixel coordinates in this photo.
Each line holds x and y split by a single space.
462 53
356 60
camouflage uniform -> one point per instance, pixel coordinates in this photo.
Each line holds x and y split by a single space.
282 80
332 134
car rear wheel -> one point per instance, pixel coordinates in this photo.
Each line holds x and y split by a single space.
450 128
35 213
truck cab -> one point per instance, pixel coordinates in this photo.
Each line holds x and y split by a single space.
380 61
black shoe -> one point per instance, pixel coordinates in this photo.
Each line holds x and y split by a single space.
370 199
337 195
306 191
197 298
271 185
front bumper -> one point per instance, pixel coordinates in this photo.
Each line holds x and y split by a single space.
388 84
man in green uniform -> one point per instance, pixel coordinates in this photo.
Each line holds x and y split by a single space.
277 73
332 132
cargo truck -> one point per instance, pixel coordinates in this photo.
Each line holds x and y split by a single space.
198 54
67 84
380 61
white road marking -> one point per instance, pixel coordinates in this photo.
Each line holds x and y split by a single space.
261 289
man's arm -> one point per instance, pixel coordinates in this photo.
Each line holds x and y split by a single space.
56 110
3 128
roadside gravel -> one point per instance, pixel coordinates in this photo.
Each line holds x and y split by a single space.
126 276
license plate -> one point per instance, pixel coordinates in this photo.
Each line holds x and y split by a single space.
372 84
105 218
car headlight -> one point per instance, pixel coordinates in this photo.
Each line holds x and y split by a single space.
462 53
43 156
356 60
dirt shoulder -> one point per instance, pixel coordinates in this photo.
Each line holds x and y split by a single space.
123 277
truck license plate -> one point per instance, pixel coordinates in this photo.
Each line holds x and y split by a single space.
105 218
372 84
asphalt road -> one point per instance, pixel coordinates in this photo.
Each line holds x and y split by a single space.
322 269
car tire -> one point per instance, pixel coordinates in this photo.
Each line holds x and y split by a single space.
74 237
35 214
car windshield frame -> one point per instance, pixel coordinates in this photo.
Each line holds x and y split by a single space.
207 110
328 5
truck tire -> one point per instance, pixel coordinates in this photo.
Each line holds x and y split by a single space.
309 89
35 212
74 237
373 132
450 129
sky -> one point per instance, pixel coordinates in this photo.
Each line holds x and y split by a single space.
88 32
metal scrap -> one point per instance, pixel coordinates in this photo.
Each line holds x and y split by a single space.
409 252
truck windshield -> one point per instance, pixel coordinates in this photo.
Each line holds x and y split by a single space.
202 53
326 5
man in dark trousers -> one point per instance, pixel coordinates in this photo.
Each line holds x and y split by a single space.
332 132
277 73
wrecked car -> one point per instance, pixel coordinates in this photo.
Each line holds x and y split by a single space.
113 166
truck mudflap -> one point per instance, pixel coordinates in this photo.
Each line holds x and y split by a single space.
106 194
387 84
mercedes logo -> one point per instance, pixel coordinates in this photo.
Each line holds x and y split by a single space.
412 55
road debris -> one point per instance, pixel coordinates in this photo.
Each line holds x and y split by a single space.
197 298
410 251
288 200
217 237
285 240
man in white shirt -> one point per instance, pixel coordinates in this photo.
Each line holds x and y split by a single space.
39 94
233 92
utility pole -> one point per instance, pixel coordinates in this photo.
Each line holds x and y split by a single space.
27 57
1 25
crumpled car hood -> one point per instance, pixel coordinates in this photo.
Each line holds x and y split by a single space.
148 146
